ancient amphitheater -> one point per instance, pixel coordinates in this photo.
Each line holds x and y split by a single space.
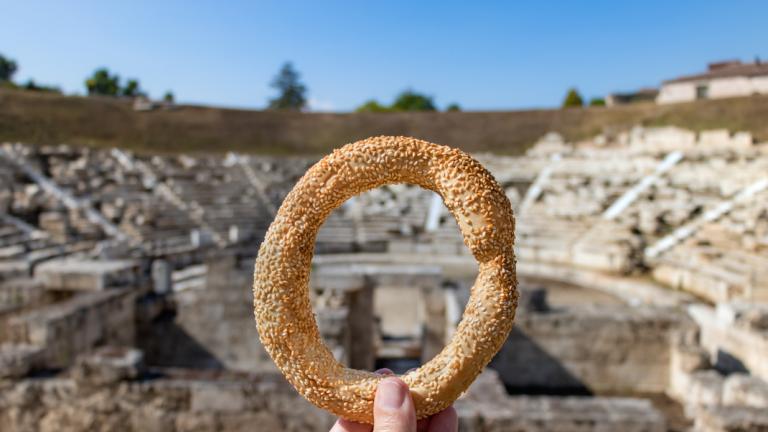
125 298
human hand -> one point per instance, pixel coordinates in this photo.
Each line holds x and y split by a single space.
393 411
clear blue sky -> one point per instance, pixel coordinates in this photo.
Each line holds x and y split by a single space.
483 55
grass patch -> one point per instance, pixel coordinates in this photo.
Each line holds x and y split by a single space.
41 118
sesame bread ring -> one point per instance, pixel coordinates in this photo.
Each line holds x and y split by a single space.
282 306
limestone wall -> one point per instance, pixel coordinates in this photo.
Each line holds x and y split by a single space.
212 326
732 419
487 408
606 350
343 305
727 336
18 293
730 87
265 403
185 401
760 84
67 329
676 92
716 402
717 89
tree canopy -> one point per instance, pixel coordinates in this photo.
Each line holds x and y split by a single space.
33 86
573 99
291 92
8 67
103 83
597 102
453 107
132 89
409 100
372 106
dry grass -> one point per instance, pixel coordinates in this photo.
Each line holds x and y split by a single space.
105 122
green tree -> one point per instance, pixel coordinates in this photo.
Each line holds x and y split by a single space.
573 99
103 83
292 93
597 102
372 106
8 67
132 89
409 100
168 97
33 86
453 107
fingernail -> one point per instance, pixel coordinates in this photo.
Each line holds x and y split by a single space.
390 394
384 371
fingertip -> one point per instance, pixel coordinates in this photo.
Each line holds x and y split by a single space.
391 393
393 408
384 371
394 381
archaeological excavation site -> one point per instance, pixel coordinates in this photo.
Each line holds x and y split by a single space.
126 281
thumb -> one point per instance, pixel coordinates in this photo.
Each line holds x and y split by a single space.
393 409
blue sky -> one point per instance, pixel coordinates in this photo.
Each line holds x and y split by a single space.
483 55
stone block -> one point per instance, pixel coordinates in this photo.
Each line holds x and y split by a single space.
552 413
78 324
196 422
742 141
109 365
756 318
86 275
218 397
690 358
18 360
686 360
604 349
731 419
746 345
400 246
152 419
162 282
705 389
715 138
745 390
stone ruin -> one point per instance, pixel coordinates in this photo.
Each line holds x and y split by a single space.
125 280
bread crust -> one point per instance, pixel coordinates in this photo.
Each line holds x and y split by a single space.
282 308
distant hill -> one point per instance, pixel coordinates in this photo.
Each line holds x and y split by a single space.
105 122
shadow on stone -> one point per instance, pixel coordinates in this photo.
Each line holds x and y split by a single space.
726 363
169 345
526 368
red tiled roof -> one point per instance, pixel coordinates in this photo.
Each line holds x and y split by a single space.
735 69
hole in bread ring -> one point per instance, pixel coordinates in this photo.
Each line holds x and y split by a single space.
282 307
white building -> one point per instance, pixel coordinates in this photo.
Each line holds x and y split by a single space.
721 80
